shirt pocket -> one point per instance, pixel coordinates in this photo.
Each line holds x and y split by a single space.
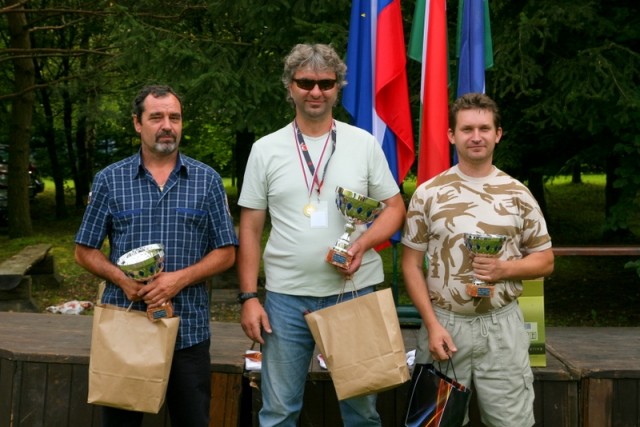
192 219
123 220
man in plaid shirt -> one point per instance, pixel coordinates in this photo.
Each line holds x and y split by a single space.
162 196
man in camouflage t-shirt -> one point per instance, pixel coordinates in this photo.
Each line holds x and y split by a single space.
482 331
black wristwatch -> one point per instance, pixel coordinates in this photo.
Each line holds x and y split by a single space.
244 296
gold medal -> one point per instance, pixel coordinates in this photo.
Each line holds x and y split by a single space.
308 209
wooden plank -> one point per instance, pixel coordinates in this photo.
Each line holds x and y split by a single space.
58 392
609 352
31 340
554 371
82 414
32 395
315 403
40 337
226 392
21 262
597 251
7 375
57 338
62 341
232 400
626 403
596 402
218 398
556 403
320 405
228 344
392 405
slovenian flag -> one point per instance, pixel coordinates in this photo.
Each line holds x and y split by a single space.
377 95
428 44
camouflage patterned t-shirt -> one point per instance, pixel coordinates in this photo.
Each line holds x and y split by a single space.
451 204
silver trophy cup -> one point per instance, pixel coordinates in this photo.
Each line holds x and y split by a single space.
488 245
143 264
357 209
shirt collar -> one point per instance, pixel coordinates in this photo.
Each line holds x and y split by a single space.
139 171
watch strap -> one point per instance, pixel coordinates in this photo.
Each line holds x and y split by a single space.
244 296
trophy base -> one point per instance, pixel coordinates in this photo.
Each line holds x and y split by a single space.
165 311
478 291
339 258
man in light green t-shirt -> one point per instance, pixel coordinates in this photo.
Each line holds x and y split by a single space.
292 174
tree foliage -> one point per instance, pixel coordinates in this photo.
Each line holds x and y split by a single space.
566 76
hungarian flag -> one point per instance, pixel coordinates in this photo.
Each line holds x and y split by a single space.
428 44
474 46
377 95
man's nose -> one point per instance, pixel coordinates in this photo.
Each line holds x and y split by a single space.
166 123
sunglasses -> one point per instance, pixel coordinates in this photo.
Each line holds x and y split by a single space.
308 84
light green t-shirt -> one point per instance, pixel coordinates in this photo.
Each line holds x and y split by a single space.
451 204
277 179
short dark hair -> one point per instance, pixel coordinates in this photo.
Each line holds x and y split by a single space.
473 101
157 91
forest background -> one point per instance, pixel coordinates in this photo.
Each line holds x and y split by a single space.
566 74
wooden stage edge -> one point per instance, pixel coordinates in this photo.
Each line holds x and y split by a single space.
592 377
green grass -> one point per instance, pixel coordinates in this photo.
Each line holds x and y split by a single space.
582 291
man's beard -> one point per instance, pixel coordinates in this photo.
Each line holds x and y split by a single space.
165 147
161 146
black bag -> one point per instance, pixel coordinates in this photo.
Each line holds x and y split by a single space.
435 399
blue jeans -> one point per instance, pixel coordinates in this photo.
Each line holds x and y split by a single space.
286 355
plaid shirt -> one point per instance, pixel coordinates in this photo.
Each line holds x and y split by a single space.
190 217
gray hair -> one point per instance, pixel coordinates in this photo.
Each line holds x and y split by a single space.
317 57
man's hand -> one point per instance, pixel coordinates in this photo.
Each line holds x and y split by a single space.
254 320
441 345
160 289
131 288
488 269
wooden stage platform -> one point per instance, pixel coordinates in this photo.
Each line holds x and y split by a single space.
592 378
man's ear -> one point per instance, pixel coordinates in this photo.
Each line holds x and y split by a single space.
136 124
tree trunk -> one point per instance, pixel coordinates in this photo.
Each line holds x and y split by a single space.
56 170
50 141
83 172
67 119
616 230
536 186
244 141
85 137
576 173
20 128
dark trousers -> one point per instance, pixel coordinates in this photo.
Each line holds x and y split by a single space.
188 392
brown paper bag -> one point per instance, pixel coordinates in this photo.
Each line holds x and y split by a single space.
362 344
130 359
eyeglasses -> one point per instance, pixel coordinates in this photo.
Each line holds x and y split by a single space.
308 84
